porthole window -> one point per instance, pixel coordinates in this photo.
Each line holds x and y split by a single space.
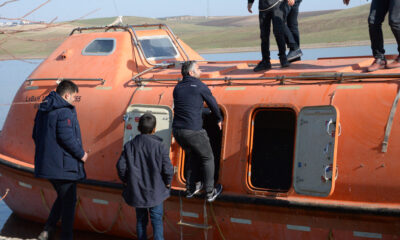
100 46
158 47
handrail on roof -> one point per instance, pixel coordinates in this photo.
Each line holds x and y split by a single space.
132 31
339 77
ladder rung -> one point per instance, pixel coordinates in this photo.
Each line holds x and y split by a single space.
194 225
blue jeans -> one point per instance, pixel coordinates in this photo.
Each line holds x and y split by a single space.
156 216
379 9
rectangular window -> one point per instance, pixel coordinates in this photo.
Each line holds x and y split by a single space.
158 47
100 47
272 146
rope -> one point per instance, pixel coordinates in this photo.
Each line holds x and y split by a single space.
126 225
216 223
91 225
44 200
5 195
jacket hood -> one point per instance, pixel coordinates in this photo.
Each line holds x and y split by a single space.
53 101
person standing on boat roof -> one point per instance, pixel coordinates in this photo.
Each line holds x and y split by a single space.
379 9
292 35
189 97
146 171
271 11
59 155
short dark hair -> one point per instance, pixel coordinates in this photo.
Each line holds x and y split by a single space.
147 123
187 67
66 86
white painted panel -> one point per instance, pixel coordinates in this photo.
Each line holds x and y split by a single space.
367 235
241 220
25 185
190 214
100 201
298 228
315 153
163 116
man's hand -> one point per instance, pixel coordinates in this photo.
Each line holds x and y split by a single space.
84 158
220 125
291 2
251 4
346 2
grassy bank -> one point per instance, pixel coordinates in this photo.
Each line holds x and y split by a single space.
326 28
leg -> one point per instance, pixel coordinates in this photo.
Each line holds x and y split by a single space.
68 210
181 136
379 8
292 22
289 37
156 216
202 148
55 212
394 20
279 26
265 30
141 223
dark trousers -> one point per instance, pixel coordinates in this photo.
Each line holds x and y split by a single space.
63 207
292 34
379 9
156 217
276 16
200 157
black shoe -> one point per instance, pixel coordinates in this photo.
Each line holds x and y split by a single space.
293 54
190 194
295 60
263 65
284 63
215 193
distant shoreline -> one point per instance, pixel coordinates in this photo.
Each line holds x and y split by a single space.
238 50
304 46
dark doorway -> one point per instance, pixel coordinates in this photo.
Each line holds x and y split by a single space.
272 149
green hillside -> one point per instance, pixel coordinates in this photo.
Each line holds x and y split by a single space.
328 27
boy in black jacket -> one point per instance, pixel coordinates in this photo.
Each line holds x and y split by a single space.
271 11
146 171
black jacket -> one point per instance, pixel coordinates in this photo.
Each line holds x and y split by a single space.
145 169
266 4
189 96
58 141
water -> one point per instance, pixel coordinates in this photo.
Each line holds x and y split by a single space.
13 73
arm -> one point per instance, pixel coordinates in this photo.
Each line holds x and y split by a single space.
167 169
66 137
121 165
249 5
211 102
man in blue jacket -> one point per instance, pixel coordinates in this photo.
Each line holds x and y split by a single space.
189 97
379 9
146 171
59 155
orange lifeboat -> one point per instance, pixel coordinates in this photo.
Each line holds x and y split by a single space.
307 152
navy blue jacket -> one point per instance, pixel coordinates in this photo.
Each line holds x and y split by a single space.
58 142
189 96
266 4
145 169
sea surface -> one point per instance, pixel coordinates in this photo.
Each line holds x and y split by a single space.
14 72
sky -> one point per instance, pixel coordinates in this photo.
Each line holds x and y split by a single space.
66 10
